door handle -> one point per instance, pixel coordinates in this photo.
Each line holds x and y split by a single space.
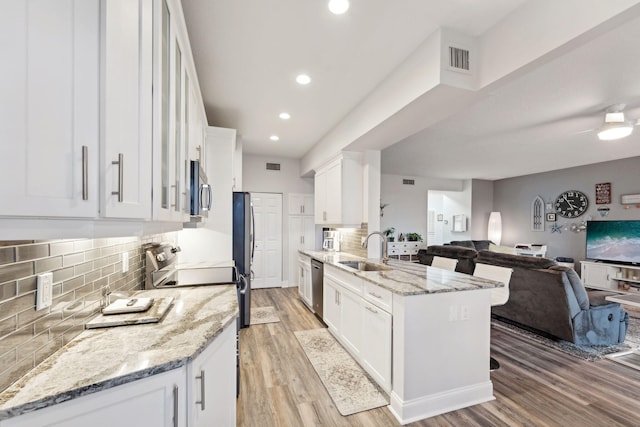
120 163
202 388
85 172
175 406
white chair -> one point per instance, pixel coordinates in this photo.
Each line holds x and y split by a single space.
499 296
444 263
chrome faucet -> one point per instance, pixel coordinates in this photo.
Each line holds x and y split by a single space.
385 258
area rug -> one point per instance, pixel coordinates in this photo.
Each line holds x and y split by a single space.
261 315
347 383
591 353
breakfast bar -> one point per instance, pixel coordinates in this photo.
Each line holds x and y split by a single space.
439 333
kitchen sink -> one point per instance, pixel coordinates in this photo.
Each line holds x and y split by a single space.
364 266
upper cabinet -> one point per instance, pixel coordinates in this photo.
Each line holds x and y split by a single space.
101 113
49 122
126 114
301 204
338 191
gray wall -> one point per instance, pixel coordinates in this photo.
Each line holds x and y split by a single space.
513 198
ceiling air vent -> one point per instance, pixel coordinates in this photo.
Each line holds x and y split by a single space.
409 181
458 59
273 166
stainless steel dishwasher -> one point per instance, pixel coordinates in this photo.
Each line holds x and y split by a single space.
317 270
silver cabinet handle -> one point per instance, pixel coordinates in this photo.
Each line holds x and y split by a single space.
373 294
371 310
206 187
202 387
120 163
85 172
175 406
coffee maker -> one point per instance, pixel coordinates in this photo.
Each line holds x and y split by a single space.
331 241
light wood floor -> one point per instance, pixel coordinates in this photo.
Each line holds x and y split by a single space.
535 386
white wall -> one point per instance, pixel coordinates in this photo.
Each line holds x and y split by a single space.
450 203
481 207
407 204
513 198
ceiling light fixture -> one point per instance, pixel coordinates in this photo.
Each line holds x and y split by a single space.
615 126
274 138
303 79
285 116
338 7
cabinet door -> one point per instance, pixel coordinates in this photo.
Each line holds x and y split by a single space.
376 344
308 289
127 108
49 119
333 198
331 305
150 402
599 276
212 383
320 193
351 307
308 233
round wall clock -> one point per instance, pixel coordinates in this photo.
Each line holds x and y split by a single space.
571 204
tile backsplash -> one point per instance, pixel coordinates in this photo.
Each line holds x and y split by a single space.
81 268
351 240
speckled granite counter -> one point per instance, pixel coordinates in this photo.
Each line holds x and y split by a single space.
407 278
102 358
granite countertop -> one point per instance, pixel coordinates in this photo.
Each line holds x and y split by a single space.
407 278
102 358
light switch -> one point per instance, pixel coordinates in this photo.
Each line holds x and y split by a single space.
44 291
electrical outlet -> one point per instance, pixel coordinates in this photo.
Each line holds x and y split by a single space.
44 291
464 312
125 262
453 313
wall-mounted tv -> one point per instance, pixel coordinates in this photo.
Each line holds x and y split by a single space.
614 241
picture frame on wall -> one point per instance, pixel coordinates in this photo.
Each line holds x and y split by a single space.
603 193
440 217
551 217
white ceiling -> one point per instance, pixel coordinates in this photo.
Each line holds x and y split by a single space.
248 52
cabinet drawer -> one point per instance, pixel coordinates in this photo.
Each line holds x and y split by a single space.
304 259
378 296
345 279
394 251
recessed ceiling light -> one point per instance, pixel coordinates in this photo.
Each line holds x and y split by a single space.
303 79
285 116
274 138
338 7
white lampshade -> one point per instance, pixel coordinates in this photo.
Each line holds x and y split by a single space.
494 232
615 130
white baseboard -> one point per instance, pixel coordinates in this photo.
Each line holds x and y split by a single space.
429 406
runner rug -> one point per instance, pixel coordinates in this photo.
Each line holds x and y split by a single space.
347 383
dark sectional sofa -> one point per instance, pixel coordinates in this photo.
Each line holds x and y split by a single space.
545 297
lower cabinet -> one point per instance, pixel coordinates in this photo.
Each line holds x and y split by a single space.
356 313
203 393
304 280
156 401
211 379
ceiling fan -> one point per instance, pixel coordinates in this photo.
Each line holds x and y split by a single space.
616 125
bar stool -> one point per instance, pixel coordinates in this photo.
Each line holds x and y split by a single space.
444 263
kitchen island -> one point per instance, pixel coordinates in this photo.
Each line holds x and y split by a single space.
148 374
436 323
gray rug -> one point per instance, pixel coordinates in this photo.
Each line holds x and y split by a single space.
591 353
347 383
261 315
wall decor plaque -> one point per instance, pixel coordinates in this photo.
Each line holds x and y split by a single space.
603 193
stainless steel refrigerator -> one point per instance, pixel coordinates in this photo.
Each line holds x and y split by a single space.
243 248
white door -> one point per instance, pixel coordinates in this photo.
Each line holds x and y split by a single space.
267 258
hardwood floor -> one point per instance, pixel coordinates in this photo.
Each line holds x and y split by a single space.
535 386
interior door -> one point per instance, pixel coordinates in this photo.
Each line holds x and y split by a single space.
267 258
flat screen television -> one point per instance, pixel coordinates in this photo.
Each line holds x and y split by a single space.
614 241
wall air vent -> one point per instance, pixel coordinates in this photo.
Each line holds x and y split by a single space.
459 59
273 166
409 181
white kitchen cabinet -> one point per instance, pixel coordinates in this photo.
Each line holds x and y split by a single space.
610 277
126 113
301 236
304 280
375 348
301 204
50 108
212 383
338 191
359 315
331 305
149 402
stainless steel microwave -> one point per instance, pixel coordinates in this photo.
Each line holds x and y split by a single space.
201 196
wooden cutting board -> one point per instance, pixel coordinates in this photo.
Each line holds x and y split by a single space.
154 314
